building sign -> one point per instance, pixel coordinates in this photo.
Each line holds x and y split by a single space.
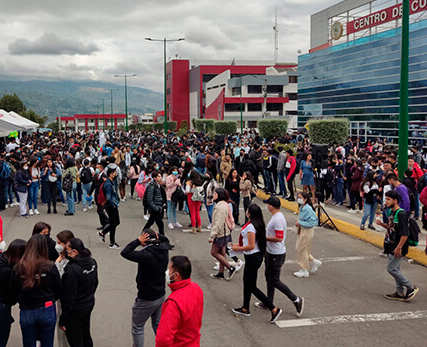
387 15
336 31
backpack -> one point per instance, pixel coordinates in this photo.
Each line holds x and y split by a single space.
422 183
212 160
178 195
198 194
413 228
5 171
101 196
201 160
67 183
86 175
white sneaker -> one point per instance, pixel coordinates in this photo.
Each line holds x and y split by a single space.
301 273
31 212
239 265
36 211
6 206
85 209
90 207
138 199
209 227
177 225
146 217
352 211
122 200
170 226
315 264
216 267
359 211
64 205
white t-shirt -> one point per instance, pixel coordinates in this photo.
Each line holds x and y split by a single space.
249 229
276 227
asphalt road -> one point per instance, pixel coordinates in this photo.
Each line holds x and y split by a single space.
349 286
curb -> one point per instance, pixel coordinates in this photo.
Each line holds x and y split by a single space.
350 229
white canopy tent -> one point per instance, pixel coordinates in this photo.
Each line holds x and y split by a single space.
6 127
23 122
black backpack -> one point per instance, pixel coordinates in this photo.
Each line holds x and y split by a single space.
67 183
86 175
422 183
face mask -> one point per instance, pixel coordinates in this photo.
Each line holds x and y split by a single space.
168 277
25 167
300 201
175 172
2 246
157 167
97 171
47 235
188 175
67 256
59 248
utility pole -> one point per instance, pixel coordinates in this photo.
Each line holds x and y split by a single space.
241 109
126 95
112 122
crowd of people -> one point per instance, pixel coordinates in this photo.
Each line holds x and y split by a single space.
43 173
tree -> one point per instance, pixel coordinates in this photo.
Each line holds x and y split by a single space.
328 131
12 103
33 116
54 126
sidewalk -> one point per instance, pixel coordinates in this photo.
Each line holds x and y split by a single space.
349 224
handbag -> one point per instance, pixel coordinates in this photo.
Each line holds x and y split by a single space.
52 178
178 195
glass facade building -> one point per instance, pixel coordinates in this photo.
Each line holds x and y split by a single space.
360 80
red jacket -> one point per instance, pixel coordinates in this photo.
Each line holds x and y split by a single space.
423 197
293 162
417 172
181 318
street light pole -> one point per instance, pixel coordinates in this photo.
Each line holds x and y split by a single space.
126 95
103 113
164 40
112 126
241 110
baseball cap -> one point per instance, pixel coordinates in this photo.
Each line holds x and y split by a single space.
273 201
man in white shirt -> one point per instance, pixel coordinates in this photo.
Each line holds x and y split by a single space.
11 146
276 255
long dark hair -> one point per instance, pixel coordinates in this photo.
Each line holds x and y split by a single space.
38 227
195 178
70 163
64 236
79 246
307 196
15 251
249 176
222 195
369 178
257 220
33 262
230 176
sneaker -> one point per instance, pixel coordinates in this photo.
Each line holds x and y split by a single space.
177 225
352 211
241 312
359 211
301 273
370 226
260 305
218 276
231 272
239 265
138 199
68 214
362 227
114 246
382 254
315 264
90 207
49 211
122 200
299 306
101 236
395 296
411 293
170 226
31 212
6 207
209 227
36 211
146 217
24 215
275 316
64 205
216 267
85 209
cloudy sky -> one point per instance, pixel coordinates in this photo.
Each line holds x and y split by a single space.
94 39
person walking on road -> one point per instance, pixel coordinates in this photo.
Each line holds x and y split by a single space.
182 311
152 262
154 197
369 189
307 220
276 255
98 179
396 246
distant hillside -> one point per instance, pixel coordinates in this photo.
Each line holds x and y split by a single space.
72 97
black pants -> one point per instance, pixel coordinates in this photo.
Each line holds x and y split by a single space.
78 330
291 187
273 265
235 197
132 185
355 198
51 188
250 274
156 216
113 216
246 203
103 218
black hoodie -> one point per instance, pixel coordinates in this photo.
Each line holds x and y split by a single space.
6 296
79 282
152 264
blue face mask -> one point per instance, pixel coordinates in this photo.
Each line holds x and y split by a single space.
188 175
175 172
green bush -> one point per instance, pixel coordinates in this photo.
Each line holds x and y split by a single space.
193 122
272 127
147 127
204 125
286 147
160 126
141 126
225 127
184 124
328 131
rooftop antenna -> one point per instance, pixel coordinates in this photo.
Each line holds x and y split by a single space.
276 39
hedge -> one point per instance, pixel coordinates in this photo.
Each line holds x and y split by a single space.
272 127
225 127
286 147
160 126
204 125
184 124
183 129
328 131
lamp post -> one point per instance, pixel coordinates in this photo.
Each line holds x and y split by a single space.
241 110
126 95
164 40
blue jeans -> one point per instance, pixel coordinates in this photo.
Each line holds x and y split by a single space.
61 194
210 209
78 192
417 205
86 188
38 324
8 195
32 195
338 193
369 212
70 198
282 183
171 211
5 323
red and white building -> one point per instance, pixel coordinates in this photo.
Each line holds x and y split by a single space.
220 90
80 122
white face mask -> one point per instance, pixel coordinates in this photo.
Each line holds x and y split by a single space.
300 201
59 248
168 277
2 246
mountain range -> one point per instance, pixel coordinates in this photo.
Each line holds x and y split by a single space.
47 98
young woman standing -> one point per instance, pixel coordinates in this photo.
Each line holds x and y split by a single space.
246 188
34 186
307 220
133 175
306 175
70 168
192 184
172 182
232 185
369 189
50 176
211 186
252 243
22 182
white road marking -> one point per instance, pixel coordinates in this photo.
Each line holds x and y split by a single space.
332 260
188 230
358 318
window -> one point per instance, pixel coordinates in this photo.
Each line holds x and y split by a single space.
293 79
254 107
208 77
252 124
232 107
254 89
168 91
292 113
275 89
274 107
168 76
235 91
292 96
